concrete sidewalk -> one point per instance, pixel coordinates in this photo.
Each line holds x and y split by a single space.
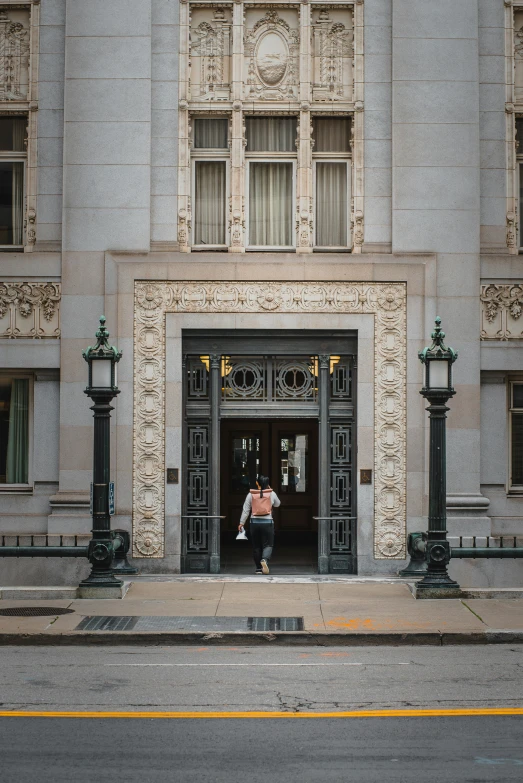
334 613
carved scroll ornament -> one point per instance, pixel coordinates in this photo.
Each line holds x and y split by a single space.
29 310
501 311
386 301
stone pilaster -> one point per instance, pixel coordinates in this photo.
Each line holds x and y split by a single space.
435 207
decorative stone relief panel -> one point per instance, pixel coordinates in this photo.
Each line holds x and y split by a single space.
29 310
210 54
386 301
14 54
501 312
333 52
272 48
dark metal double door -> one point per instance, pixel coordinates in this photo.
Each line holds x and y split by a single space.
269 376
286 450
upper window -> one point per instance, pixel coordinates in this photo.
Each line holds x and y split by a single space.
210 133
271 184
210 177
272 181
271 134
14 430
12 168
331 157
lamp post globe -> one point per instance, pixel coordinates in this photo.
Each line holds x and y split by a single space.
437 390
102 360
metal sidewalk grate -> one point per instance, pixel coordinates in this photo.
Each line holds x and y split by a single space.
154 623
34 611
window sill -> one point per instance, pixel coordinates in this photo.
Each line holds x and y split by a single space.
209 249
16 489
264 249
332 249
11 248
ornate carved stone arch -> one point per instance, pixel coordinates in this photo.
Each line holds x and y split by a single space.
386 301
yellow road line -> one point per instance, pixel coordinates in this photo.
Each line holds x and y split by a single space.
353 714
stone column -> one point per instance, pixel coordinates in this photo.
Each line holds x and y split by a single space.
435 208
164 125
377 121
304 214
106 203
237 204
184 160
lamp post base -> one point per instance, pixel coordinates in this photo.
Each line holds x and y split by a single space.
437 586
101 585
87 590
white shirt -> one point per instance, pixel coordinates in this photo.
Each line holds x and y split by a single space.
247 506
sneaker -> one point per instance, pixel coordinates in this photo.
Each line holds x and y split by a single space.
265 567
258 571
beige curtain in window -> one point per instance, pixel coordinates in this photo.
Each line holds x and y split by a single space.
331 134
209 225
19 127
18 203
210 134
270 204
271 134
331 204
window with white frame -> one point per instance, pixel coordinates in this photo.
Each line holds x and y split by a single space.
516 436
15 408
13 155
331 162
210 174
270 157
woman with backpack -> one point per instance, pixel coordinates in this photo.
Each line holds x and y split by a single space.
258 505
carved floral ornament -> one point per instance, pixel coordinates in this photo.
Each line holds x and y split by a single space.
14 54
501 310
29 310
386 301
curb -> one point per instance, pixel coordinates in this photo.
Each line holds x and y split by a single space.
254 638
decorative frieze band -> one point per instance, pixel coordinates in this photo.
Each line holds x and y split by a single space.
386 301
501 311
29 310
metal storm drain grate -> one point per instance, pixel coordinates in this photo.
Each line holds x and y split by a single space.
34 611
191 624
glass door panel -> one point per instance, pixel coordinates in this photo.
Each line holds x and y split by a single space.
294 463
245 463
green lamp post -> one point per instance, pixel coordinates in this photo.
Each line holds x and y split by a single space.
102 360
437 390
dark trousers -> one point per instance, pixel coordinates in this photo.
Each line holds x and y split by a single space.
262 536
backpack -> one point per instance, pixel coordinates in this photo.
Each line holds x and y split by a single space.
261 506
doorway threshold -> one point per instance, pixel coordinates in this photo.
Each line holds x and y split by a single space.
287 579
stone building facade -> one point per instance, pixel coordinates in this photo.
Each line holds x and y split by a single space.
270 202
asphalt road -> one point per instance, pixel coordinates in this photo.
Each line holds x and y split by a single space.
286 680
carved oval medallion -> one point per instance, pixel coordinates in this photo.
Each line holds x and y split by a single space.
272 58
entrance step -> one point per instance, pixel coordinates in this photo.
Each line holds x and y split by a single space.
302 579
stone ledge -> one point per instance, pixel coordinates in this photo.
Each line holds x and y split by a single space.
61 593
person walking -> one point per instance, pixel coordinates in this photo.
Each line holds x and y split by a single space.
258 506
